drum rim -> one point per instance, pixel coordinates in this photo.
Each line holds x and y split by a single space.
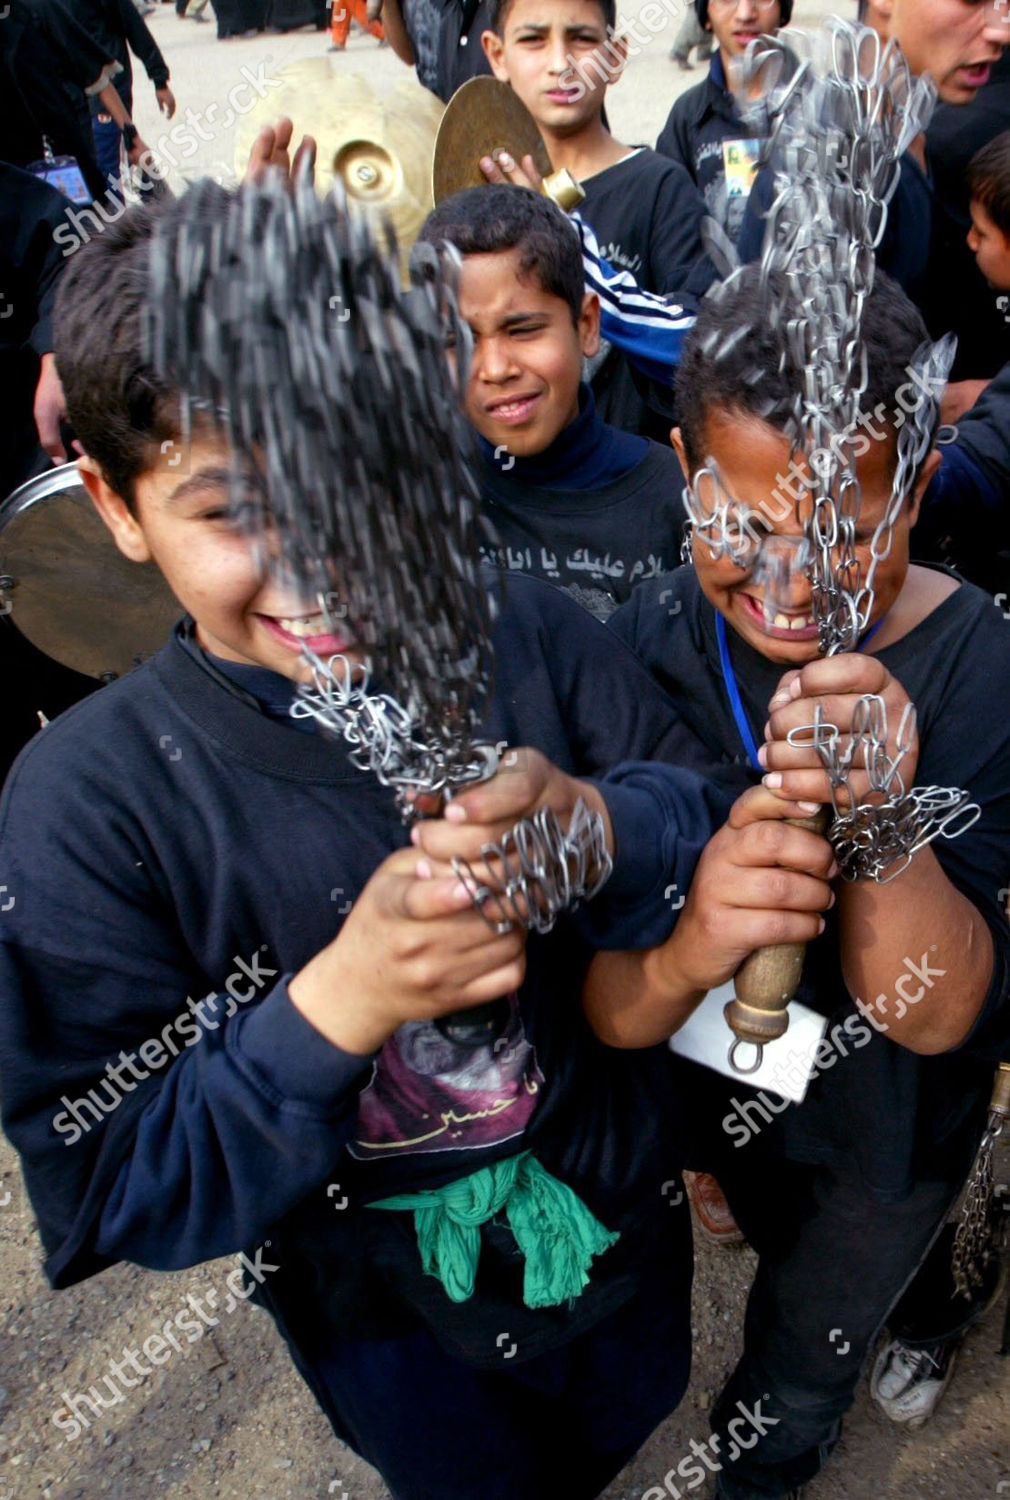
40 487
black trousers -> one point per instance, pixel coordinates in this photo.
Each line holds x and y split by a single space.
559 1425
833 1260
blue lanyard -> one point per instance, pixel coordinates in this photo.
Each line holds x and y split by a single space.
733 690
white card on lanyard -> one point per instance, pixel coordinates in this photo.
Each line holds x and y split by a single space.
787 1063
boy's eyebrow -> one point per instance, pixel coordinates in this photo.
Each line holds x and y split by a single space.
540 27
210 478
521 317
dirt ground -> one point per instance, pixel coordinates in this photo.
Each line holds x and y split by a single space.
227 1416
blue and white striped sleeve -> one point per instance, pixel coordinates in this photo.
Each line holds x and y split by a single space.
646 325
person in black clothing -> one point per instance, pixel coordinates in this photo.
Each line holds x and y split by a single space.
957 297
572 499
30 440
965 518
49 67
841 1194
957 42
145 877
441 39
705 118
645 211
119 27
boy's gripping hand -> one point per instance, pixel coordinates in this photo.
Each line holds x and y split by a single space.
836 683
760 880
410 949
524 782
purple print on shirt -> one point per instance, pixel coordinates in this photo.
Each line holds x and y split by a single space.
432 1092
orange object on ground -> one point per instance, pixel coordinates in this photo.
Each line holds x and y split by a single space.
343 12
712 1213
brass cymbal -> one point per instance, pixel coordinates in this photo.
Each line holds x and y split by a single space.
69 590
378 146
482 117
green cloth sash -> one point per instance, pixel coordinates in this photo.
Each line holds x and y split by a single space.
555 1231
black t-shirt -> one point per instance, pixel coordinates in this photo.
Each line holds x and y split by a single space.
896 1114
461 57
957 297
646 214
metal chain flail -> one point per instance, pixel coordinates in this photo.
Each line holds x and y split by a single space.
538 870
838 110
352 472
981 1227
877 839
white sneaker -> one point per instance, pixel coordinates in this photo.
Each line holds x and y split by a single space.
907 1383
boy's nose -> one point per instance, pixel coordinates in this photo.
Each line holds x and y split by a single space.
492 361
996 21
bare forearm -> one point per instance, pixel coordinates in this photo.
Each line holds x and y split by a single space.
115 106
637 999
917 953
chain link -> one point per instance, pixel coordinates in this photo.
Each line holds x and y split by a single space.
877 840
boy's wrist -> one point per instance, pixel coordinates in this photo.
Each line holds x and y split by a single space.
358 1028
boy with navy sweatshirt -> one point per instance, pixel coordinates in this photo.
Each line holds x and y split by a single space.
573 499
230 988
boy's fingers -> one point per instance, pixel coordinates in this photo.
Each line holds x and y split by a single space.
836 709
785 847
521 778
783 694
306 154
780 890
499 981
426 900
491 170
766 929
849 672
760 802
809 785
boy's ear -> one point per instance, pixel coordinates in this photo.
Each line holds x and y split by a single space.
930 464
589 324
126 530
677 444
494 51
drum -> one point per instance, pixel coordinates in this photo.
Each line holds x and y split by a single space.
66 587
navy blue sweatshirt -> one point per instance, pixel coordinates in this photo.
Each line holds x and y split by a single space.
595 512
165 841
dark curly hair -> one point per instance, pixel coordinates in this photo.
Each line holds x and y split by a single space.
754 375
486 220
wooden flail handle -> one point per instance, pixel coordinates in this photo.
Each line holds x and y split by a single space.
765 983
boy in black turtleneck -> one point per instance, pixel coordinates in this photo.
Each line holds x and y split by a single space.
573 500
